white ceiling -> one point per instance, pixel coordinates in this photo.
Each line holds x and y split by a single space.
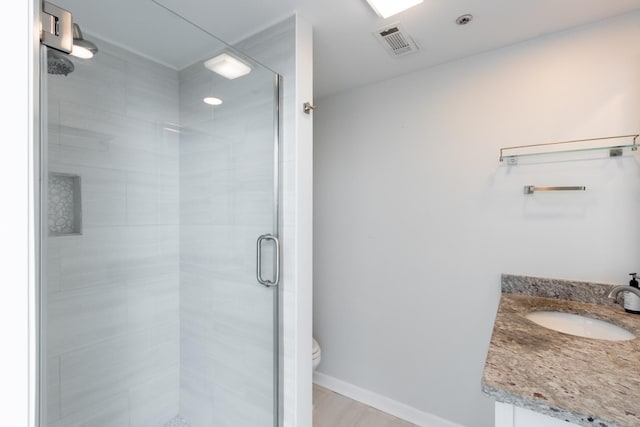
345 52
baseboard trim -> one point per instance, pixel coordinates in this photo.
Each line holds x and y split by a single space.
383 403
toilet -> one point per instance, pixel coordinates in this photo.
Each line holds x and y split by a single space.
316 354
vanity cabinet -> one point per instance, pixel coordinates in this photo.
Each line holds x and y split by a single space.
508 415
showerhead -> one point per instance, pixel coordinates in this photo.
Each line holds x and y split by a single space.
58 63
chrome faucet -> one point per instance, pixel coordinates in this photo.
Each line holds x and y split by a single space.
623 288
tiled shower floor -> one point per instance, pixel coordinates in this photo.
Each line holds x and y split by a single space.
178 421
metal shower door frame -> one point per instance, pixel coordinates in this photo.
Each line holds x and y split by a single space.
278 377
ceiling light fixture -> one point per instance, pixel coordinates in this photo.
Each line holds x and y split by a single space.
387 8
227 66
211 100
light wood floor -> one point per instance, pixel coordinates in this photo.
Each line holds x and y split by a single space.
334 410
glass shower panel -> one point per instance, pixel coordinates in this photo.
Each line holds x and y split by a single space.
151 312
226 202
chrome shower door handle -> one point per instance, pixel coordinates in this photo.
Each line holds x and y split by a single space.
276 242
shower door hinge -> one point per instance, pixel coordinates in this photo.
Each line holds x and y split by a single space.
56 27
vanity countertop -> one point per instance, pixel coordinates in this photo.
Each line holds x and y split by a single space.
585 381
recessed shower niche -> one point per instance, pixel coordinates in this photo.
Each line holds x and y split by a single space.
64 205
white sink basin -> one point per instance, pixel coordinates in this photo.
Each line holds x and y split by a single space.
575 324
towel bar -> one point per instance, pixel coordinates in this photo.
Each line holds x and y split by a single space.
530 189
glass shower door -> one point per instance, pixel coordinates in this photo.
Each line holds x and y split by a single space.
161 174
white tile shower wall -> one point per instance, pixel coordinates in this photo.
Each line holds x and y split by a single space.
113 294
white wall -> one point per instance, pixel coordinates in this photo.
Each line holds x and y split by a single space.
17 388
415 218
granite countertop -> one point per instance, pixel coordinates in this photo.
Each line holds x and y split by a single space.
585 381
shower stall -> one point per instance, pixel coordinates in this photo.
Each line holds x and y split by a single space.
159 242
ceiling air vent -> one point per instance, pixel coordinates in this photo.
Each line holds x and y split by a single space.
395 40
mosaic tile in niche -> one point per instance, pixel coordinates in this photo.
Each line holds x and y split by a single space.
64 216
178 421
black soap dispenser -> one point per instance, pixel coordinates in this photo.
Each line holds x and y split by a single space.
632 301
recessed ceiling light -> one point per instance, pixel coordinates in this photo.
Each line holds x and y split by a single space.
227 66
387 8
211 100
